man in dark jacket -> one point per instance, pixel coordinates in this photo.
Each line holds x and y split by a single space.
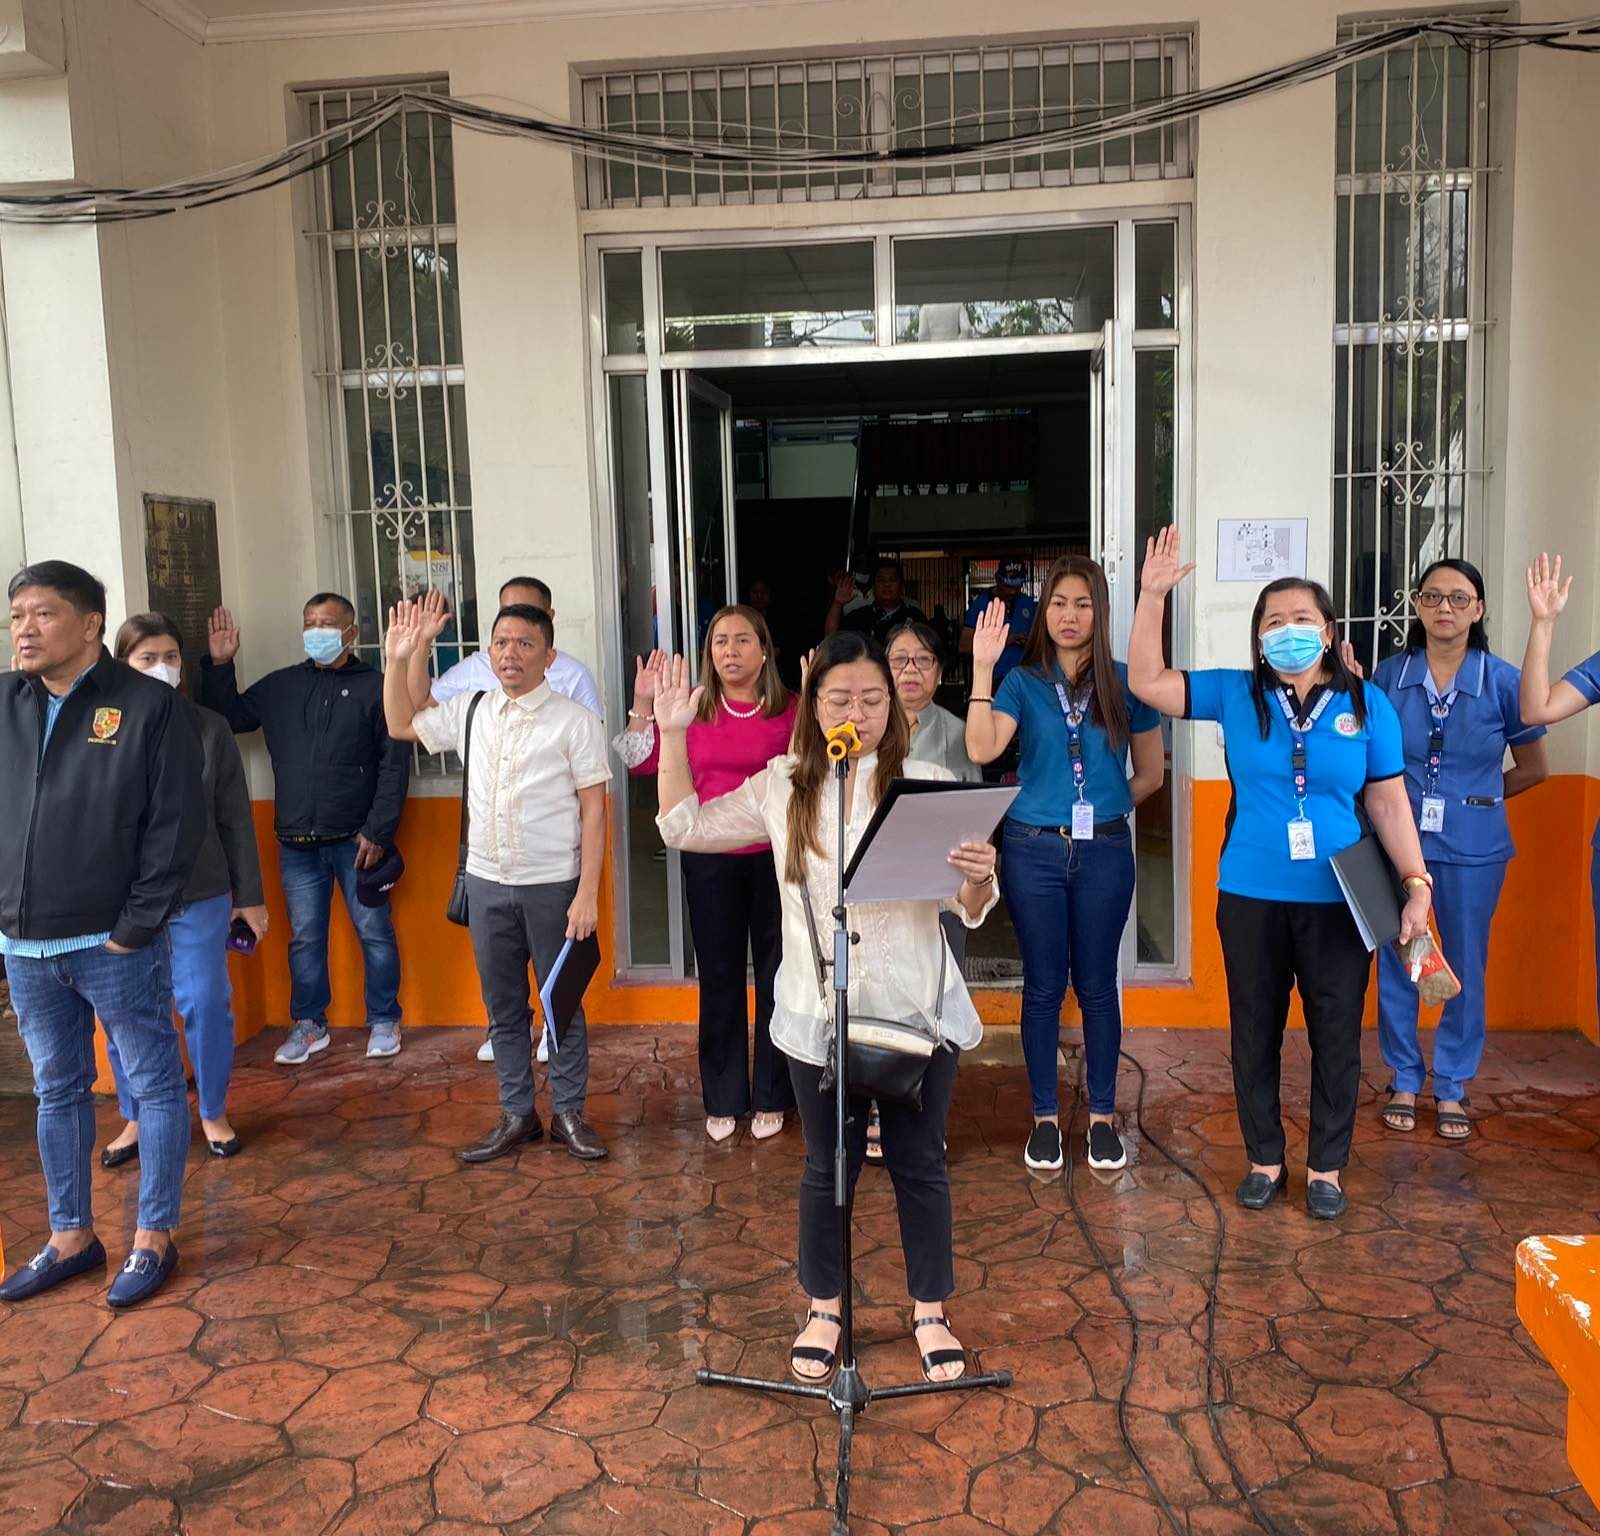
340 789
100 824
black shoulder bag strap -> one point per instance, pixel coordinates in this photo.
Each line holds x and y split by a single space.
457 910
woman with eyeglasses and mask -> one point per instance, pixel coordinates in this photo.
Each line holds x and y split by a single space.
225 884
1458 712
894 973
1068 868
1306 741
744 718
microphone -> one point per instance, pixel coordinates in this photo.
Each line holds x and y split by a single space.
843 741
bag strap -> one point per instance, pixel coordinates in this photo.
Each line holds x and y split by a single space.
822 965
466 781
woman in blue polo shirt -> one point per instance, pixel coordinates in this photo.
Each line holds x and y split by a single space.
1458 714
1066 866
1305 739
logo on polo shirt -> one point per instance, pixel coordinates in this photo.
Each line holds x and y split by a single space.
106 724
1346 725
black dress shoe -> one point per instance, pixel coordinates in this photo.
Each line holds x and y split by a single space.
1257 1191
1324 1201
115 1157
228 1148
511 1131
578 1138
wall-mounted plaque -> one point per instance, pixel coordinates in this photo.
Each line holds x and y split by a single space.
184 569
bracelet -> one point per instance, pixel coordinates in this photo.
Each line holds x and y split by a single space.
1422 877
981 698
987 880
639 714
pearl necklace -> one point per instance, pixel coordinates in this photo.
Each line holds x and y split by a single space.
742 714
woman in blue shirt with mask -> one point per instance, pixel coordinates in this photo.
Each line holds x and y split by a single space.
1306 740
1067 866
1458 714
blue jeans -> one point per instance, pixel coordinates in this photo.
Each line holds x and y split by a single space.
1069 903
1464 899
204 996
308 880
57 1001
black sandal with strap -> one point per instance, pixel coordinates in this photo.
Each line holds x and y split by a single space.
937 1357
824 1357
1408 1110
1444 1117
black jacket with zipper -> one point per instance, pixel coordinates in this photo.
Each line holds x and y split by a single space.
100 831
337 771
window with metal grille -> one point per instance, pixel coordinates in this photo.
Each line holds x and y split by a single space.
1411 186
388 276
892 100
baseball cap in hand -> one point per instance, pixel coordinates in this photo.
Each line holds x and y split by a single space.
373 885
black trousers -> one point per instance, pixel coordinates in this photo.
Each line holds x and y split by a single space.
913 1152
1267 947
734 911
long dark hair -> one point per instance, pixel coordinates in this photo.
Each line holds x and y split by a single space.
773 696
1477 635
1109 707
809 749
1264 680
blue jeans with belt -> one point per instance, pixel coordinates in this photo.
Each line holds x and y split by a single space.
309 876
1069 902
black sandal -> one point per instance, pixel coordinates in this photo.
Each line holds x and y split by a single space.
1409 1111
824 1357
1444 1117
938 1357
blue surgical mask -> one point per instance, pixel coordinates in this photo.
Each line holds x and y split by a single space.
1294 648
323 645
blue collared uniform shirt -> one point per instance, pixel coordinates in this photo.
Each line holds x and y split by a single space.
1484 720
1585 677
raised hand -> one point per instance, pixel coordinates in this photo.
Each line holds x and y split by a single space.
1547 592
433 615
676 702
647 673
805 666
222 636
1163 567
989 635
844 587
1352 663
405 632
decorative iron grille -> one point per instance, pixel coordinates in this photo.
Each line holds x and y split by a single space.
1408 342
942 99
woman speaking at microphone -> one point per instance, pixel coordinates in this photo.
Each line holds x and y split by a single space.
895 970
1306 740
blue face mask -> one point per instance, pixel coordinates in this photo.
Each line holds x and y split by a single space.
1294 648
323 645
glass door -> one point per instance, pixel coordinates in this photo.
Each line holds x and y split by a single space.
703 535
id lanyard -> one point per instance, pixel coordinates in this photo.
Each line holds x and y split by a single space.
1302 840
1432 818
1074 708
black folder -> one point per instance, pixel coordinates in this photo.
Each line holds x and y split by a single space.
1371 890
561 995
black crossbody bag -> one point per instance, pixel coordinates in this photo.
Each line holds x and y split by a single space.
456 912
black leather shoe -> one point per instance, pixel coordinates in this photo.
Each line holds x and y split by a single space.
1257 1191
1324 1201
579 1139
228 1148
115 1157
511 1131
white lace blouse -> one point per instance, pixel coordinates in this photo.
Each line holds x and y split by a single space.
894 970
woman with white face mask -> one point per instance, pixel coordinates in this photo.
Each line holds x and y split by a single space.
225 885
1306 740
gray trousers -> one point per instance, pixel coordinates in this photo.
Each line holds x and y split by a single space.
513 926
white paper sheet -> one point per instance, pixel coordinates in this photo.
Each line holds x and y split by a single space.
909 858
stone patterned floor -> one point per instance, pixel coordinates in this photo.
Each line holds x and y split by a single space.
365 1337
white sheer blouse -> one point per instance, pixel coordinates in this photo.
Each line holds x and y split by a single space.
894 971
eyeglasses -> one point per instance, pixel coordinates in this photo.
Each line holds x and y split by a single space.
1458 600
923 663
838 702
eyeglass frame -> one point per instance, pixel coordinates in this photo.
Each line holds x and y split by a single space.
854 698
925 662
1433 598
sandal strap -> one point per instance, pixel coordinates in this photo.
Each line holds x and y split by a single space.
942 1357
938 1320
812 1352
825 1317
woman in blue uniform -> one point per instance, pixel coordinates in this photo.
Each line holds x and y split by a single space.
1305 741
1067 852
1458 714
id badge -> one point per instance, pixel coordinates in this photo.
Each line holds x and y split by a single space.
1302 840
1432 813
1082 821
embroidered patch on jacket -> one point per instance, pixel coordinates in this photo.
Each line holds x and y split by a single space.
107 722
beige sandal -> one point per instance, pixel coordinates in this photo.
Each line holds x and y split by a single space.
721 1127
768 1122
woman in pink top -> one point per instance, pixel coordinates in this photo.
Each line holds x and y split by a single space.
744 720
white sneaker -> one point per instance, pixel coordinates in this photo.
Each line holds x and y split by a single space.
486 1050
543 1053
305 1040
384 1039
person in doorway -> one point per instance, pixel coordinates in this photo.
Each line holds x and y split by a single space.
887 610
340 787
100 826
896 971
566 675
744 719
1306 739
535 846
1020 608
1458 712
1067 870
225 886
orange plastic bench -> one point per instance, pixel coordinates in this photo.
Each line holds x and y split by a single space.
1558 1300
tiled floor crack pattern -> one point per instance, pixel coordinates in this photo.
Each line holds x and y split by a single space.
366 1337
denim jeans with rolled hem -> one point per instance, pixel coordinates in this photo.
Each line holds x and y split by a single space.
57 1001
309 876
1069 902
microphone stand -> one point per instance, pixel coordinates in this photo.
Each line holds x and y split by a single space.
848 1394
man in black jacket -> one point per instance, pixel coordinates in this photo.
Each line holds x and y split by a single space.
100 825
340 789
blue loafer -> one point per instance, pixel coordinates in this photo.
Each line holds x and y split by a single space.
144 1273
46 1268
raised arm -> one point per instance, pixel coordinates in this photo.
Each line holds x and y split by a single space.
988 733
219 681
405 656
731 821
1541 702
844 588
1149 676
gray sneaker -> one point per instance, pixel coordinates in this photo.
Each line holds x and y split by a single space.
305 1040
384 1039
